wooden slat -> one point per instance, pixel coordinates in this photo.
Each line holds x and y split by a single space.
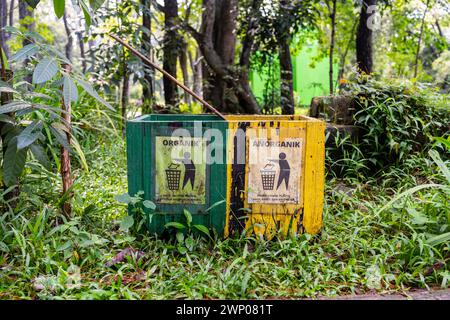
314 177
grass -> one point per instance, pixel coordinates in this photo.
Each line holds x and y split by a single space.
44 256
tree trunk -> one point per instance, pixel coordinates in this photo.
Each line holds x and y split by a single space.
82 52
344 55
91 53
364 49
438 26
11 13
224 86
3 22
69 43
26 12
287 86
124 96
196 67
184 70
419 41
6 97
171 38
148 81
333 32
66 170
223 37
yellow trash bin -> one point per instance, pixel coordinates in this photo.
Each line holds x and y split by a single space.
275 174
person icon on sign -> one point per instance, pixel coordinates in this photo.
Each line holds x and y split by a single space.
189 173
285 169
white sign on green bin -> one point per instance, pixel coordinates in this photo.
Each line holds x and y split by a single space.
180 170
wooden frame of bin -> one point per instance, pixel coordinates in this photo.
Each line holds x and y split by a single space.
267 219
141 134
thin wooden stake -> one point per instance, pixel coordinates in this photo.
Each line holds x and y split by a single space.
66 170
168 75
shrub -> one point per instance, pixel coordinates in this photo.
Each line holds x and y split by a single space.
396 120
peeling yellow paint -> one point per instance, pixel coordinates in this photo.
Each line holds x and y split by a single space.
269 219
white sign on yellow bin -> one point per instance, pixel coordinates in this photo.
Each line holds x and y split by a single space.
274 170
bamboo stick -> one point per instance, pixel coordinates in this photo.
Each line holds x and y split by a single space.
168 75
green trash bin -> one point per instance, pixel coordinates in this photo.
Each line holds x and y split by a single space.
179 162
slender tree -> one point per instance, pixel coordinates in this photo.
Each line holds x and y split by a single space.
66 169
148 82
332 9
419 41
196 67
226 86
11 12
69 44
343 56
3 23
170 50
286 70
82 50
364 46
183 58
26 15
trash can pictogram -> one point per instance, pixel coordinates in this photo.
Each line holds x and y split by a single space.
173 175
268 177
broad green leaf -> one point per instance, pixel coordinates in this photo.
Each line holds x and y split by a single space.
417 217
25 52
13 30
123 198
86 13
33 3
7 89
13 162
29 134
38 95
45 70
60 126
445 142
203 229
149 204
445 237
66 245
60 136
410 192
4 59
59 7
126 223
218 203
70 90
4 247
175 225
53 50
7 119
35 36
40 155
182 249
180 237
80 153
88 88
437 159
189 243
96 4
14 106
188 216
